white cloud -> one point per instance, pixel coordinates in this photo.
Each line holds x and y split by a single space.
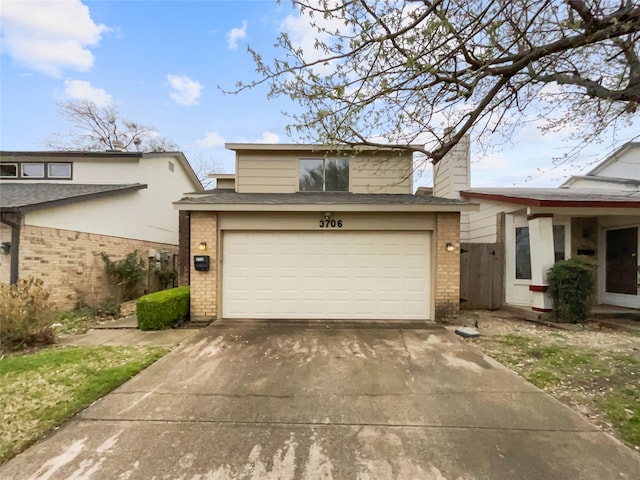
49 36
492 162
210 140
270 137
82 90
185 91
304 35
235 35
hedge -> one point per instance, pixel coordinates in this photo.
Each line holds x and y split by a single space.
571 288
163 309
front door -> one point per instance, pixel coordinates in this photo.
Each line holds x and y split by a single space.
621 267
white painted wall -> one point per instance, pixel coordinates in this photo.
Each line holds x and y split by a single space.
146 214
626 165
452 173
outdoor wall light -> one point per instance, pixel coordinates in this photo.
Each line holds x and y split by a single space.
450 247
202 246
327 215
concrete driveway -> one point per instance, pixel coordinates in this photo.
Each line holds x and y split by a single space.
328 401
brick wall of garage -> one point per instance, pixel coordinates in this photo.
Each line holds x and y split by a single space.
447 271
70 264
204 226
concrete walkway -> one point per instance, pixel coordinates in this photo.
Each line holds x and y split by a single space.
326 401
124 332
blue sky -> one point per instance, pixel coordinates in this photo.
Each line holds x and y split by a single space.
160 63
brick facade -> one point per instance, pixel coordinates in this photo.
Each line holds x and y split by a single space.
204 288
447 271
70 265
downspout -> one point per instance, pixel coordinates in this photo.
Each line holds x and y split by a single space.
15 245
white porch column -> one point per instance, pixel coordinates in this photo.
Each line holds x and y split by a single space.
542 259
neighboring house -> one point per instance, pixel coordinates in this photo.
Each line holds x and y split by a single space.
304 233
595 217
60 210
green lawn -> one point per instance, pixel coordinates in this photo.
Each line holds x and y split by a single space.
606 384
40 391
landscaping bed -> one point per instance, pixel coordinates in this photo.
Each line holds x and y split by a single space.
593 369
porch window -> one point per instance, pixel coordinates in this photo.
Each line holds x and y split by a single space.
523 254
523 250
324 175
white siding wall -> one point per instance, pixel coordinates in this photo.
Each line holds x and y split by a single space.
483 223
451 174
626 166
146 214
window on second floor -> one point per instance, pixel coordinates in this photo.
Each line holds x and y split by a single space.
324 175
36 170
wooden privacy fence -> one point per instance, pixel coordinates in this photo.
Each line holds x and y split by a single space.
481 275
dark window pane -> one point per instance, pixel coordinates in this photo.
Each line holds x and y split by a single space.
35 170
8 170
523 254
311 176
336 175
60 170
558 242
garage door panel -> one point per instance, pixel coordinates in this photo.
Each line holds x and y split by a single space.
367 275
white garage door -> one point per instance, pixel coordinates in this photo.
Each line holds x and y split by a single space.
332 275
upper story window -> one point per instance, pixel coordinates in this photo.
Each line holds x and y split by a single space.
33 170
324 175
59 170
36 170
8 170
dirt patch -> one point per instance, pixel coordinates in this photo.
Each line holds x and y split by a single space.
591 368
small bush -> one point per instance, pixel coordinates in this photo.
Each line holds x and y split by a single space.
570 287
25 315
124 277
163 309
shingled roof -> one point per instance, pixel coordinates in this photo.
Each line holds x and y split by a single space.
31 196
222 199
558 197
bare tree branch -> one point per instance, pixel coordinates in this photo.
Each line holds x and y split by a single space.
401 71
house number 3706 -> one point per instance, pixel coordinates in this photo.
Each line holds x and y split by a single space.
333 223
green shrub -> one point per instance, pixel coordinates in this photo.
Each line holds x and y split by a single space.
124 277
25 315
163 309
570 287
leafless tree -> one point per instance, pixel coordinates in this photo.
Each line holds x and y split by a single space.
405 71
101 128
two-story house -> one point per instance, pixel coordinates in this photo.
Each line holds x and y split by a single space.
305 233
61 210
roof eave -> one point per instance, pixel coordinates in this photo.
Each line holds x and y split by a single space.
537 202
70 200
323 207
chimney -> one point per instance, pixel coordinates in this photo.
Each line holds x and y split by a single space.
118 146
452 174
